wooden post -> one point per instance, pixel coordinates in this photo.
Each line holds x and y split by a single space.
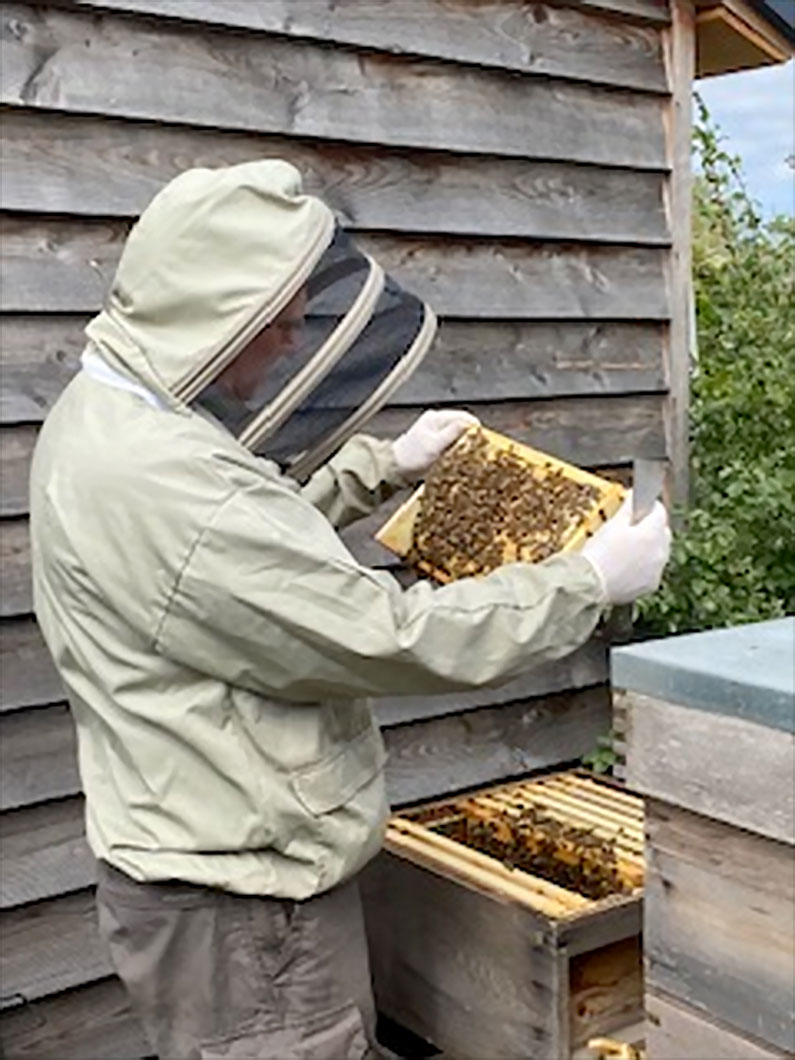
679 46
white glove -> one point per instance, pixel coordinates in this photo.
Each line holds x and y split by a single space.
630 559
428 437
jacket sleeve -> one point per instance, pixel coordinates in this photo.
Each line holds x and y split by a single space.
270 600
355 482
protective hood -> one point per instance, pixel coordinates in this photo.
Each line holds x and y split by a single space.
238 297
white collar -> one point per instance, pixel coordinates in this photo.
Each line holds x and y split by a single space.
94 366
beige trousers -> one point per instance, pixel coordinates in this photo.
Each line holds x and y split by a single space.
215 975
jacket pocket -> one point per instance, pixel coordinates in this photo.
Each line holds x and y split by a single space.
330 783
337 1034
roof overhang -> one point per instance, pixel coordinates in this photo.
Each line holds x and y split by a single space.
736 35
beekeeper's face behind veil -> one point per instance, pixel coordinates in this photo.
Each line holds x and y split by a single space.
237 296
242 379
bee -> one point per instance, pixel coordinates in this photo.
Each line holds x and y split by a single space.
526 839
483 508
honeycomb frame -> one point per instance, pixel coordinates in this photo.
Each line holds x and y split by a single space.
397 534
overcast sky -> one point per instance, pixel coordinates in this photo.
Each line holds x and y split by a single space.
755 110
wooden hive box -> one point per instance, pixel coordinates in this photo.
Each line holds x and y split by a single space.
709 727
485 960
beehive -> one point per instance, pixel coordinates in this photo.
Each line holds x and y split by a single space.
507 923
710 742
490 501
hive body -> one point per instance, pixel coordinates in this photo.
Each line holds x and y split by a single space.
709 723
483 957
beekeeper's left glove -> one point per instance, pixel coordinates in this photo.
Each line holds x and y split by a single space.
428 437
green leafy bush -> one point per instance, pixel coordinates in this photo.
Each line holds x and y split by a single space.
604 757
733 560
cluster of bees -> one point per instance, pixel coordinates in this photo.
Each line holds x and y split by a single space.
571 857
482 508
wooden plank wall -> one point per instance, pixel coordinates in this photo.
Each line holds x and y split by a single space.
510 160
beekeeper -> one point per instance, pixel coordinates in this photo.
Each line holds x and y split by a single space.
216 638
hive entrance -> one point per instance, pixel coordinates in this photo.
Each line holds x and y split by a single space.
568 840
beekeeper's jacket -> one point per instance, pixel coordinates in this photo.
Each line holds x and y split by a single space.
216 638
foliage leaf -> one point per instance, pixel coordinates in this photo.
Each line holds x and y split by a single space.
733 560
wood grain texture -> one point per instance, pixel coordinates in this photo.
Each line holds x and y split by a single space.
612 924
16 593
717 765
52 266
530 281
16 449
431 758
65 266
92 1022
39 756
507 34
679 1032
680 57
719 923
105 167
38 357
61 60
598 430
427 758
52 946
45 853
651 12
470 361
475 977
517 360
27 675
656 11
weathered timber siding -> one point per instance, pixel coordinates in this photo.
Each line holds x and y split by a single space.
510 160
211 78
92 1022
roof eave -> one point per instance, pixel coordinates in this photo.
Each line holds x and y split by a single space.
733 35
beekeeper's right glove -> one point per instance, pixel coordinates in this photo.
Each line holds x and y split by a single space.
630 559
428 437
